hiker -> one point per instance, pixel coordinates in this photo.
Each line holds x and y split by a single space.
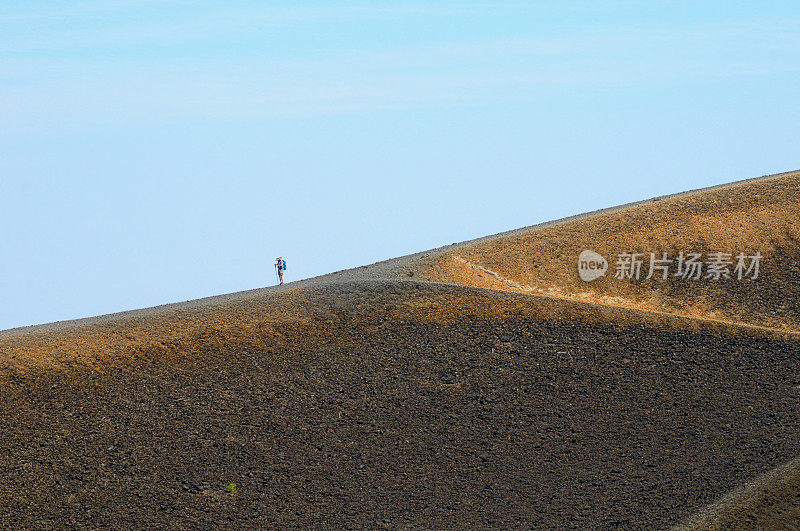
280 266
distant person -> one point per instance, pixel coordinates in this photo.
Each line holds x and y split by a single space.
280 266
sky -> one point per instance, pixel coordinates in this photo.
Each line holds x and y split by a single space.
160 151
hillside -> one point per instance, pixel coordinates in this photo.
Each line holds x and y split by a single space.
482 384
771 501
760 216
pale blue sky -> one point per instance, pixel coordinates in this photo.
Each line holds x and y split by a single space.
158 151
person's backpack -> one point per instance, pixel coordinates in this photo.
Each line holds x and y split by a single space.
284 265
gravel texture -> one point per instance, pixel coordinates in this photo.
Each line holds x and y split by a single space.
400 404
357 399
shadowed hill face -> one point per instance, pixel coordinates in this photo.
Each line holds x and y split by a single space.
393 404
247 323
754 217
772 501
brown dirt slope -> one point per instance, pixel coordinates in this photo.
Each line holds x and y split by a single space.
367 399
772 501
760 216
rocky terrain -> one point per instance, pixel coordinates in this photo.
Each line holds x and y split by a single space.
420 393
761 216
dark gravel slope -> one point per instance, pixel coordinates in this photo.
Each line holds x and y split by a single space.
355 400
770 501
403 404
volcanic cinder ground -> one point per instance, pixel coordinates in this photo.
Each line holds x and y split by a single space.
477 385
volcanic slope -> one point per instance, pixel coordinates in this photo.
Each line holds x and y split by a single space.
756 216
447 388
